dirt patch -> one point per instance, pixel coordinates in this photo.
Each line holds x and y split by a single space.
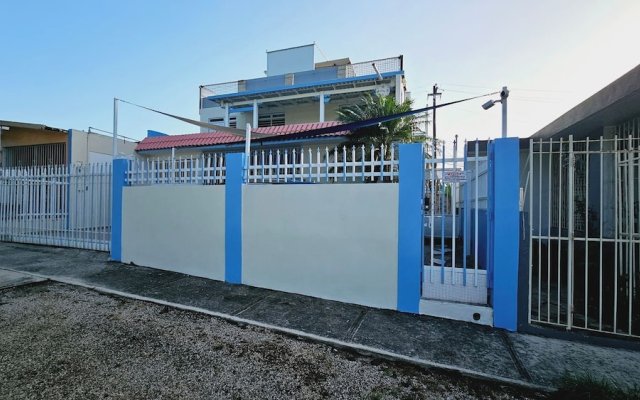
59 342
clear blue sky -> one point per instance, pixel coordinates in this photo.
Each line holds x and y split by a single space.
62 62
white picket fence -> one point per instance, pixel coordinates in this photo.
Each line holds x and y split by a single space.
208 169
346 164
57 205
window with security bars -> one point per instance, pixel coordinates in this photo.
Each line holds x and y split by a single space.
220 121
35 155
276 119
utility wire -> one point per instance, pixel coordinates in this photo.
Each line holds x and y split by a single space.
351 126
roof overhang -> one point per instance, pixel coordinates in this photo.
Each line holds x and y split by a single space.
305 88
615 103
26 125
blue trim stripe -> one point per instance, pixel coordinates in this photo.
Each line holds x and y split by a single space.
151 133
118 184
410 226
233 219
506 232
240 109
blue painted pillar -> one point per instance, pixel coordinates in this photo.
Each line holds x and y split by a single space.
410 226
118 182
233 218
506 232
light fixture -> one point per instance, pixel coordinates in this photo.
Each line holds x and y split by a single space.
503 100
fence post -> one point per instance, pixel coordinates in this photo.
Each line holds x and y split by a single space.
233 218
506 232
118 182
410 226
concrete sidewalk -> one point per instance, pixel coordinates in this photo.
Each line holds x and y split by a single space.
432 342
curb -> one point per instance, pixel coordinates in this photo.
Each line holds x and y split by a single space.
358 348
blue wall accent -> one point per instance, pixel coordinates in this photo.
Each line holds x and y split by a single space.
151 133
506 232
117 183
410 227
233 218
490 212
233 110
276 83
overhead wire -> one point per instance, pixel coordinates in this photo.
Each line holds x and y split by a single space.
351 126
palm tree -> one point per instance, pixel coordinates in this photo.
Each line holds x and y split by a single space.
382 134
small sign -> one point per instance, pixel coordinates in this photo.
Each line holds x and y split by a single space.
454 176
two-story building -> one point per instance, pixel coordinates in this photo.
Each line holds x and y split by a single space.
296 89
297 94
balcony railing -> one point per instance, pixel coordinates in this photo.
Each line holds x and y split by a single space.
317 75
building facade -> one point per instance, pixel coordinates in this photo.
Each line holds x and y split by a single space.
296 89
28 145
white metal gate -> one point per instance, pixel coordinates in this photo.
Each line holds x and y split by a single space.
584 251
57 205
456 225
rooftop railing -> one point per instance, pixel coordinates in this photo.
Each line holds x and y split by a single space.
317 75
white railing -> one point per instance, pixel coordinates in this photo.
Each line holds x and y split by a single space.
353 164
57 205
208 169
365 68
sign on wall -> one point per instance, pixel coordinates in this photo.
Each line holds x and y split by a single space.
454 176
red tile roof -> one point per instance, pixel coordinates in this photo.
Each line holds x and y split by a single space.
219 138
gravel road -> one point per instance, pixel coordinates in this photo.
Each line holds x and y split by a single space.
65 342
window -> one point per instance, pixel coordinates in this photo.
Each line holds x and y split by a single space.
220 121
271 120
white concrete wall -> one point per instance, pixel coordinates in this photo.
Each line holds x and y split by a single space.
94 147
333 241
175 227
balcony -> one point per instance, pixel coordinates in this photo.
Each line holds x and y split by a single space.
302 81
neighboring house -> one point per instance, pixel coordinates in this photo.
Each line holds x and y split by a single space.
196 144
614 111
582 174
27 144
296 89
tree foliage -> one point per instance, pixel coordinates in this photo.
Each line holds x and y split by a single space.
395 131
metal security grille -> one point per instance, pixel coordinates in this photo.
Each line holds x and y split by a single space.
584 250
456 222
57 205
35 155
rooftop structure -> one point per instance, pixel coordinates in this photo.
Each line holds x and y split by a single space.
296 89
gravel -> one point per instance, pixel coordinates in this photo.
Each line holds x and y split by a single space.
64 342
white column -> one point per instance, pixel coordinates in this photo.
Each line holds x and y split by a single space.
321 107
504 95
399 90
226 115
255 113
115 129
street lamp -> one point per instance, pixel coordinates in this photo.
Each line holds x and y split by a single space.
503 99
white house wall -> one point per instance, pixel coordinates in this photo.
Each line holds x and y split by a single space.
94 147
179 228
334 241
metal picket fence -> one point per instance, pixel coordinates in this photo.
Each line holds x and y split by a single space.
57 205
329 165
207 169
